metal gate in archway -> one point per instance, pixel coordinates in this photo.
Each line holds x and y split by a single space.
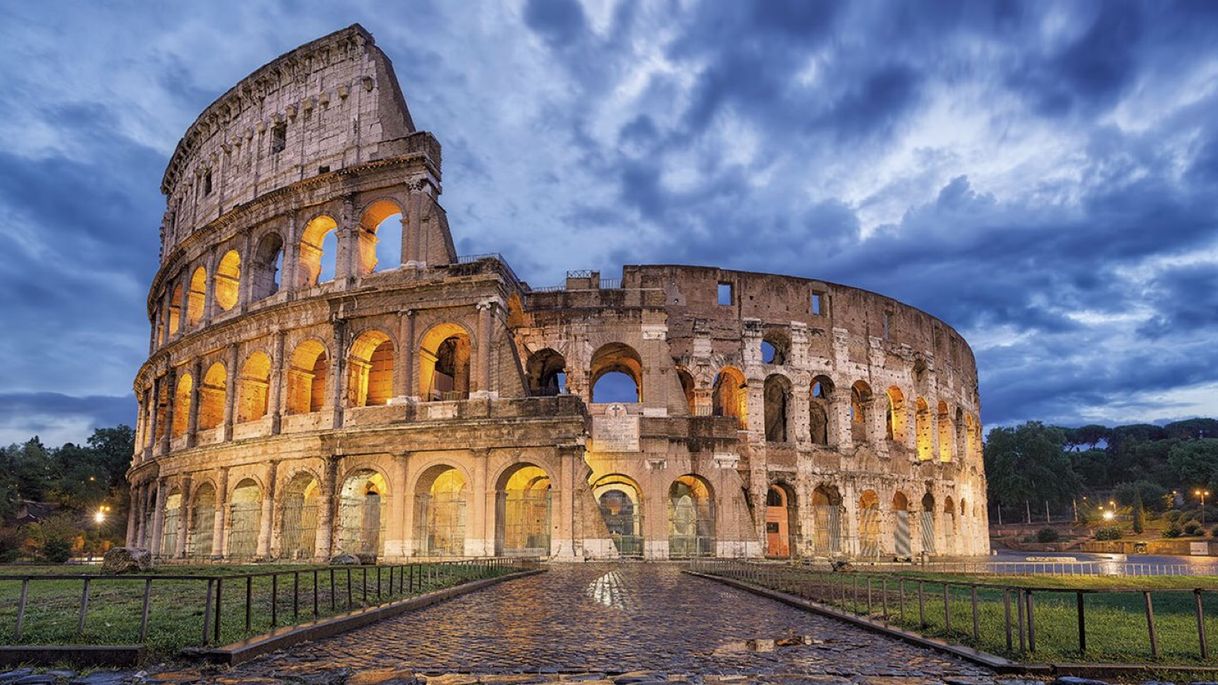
442 519
361 524
902 533
299 534
169 532
525 522
828 521
243 529
869 532
928 532
624 522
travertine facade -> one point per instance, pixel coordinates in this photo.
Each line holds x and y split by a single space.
326 375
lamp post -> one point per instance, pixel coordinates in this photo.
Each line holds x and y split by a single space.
1202 494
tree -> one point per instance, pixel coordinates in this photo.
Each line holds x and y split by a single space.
1195 463
1027 463
1139 516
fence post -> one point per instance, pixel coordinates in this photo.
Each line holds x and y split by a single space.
219 608
144 610
315 612
947 611
25 587
364 585
274 599
84 608
333 591
1019 604
1150 624
1006 613
921 606
868 596
207 612
1031 622
296 597
884 597
901 599
1082 625
249 600
348 587
1201 625
976 618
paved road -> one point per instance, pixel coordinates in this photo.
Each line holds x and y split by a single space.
612 619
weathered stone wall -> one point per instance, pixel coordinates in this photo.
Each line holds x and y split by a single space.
444 408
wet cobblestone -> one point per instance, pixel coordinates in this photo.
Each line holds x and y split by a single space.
624 624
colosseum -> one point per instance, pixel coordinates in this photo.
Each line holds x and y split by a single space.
327 375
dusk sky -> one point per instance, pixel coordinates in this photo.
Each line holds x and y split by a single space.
1042 176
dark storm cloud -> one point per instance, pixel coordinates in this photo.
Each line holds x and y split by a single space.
1040 175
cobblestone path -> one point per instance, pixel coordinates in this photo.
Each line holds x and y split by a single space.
649 621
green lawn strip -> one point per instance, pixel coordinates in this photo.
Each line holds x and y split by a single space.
1115 621
177 606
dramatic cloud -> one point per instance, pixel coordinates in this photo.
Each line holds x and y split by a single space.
1042 176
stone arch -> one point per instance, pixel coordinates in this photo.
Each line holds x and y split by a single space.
781 521
196 298
298 516
895 423
308 376
900 533
168 544
547 373
927 523
440 493
615 358
691 517
943 421
775 347
620 500
202 521
923 430
444 362
729 396
227 281
777 393
860 406
182 397
687 390
175 309
266 266
370 367
973 438
244 519
212 396
380 224
820 408
827 517
949 525
313 244
522 511
360 522
869 524
253 387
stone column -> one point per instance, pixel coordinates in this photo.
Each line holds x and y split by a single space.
277 381
404 247
408 507
485 308
562 531
655 366
348 247
170 377
196 395
338 371
158 517
268 511
166 314
132 502
394 530
230 392
209 289
184 305
411 230
480 537
151 427
325 510
290 278
245 283
405 375
179 551
219 527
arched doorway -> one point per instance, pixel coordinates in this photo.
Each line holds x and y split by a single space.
819 410
949 526
779 519
244 520
691 518
202 522
360 524
869 525
777 394
900 511
169 526
729 396
298 527
928 523
440 512
522 512
827 516
621 505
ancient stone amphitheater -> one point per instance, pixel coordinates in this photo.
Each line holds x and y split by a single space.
326 374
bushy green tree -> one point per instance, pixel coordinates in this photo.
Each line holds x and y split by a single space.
1139 516
1028 463
1195 463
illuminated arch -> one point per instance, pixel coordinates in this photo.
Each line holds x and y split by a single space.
212 395
522 511
362 502
181 405
370 367
228 280
380 225
244 520
943 421
895 423
440 511
252 387
307 378
860 405
691 518
312 248
728 396
197 296
922 429
620 500
444 363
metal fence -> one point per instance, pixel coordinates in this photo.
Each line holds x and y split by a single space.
217 607
1003 618
1051 568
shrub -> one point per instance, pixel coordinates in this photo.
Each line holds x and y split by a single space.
1109 533
1173 516
1192 528
1173 531
1047 535
57 550
1214 532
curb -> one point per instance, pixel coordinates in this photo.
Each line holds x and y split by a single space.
77 655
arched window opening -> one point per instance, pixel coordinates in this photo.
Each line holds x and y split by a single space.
228 280
819 408
895 423
691 518
244 520
946 433
547 373
522 512
960 448
444 370
252 387
621 505
361 514
827 519
298 536
202 522
318 251
869 525
860 404
162 412
267 266
973 441
175 310
775 348
780 521
728 396
900 511
440 512
197 296
777 393
307 378
949 526
169 524
371 370
380 237
687 389
616 374
212 395
924 430
181 405
928 523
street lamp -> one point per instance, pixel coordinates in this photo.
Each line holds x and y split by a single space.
1109 514
1202 494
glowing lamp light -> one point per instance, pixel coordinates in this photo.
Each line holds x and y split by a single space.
1109 515
100 516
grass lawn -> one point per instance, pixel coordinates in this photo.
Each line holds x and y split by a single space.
1114 609
177 606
